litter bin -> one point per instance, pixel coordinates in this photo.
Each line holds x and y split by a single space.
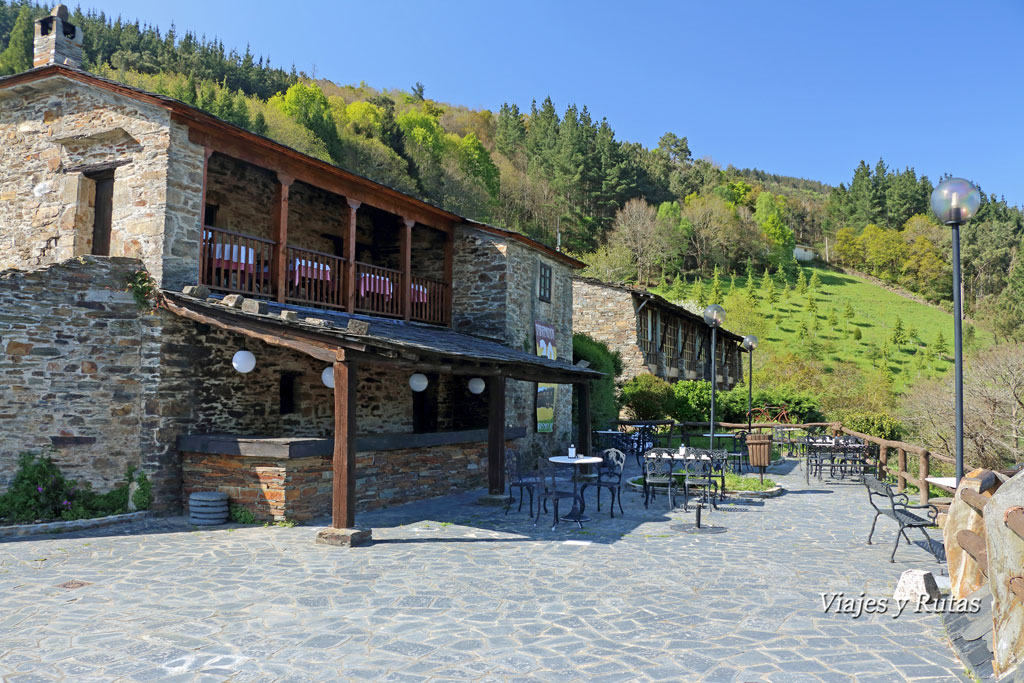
759 451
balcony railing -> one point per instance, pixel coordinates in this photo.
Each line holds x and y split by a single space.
315 279
378 290
428 300
236 263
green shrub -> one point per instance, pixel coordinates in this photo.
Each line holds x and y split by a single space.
241 515
603 407
647 397
691 401
882 425
801 406
40 491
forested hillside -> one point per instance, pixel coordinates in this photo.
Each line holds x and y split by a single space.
659 216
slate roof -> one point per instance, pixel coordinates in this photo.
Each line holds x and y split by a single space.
439 343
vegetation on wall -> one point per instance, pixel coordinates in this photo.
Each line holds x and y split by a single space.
604 408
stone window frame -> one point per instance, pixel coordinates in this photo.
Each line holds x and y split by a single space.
544 283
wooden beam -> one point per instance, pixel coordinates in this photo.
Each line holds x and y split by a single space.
320 352
343 501
584 418
496 435
350 257
320 174
449 249
406 284
280 222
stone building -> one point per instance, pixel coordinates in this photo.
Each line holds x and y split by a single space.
653 335
323 275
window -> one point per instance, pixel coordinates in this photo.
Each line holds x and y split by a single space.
103 212
210 215
287 401
424 407
545 283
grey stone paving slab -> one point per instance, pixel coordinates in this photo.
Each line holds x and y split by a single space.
454 591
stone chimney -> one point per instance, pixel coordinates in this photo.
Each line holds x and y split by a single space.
57 41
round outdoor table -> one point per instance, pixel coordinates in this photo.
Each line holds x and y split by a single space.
576 514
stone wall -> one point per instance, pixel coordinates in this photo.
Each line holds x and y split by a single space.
73 364
479 284
607 314
49 130
243 195
301 488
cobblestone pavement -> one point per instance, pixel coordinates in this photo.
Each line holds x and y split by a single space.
450 590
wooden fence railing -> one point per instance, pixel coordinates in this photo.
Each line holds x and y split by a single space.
901 472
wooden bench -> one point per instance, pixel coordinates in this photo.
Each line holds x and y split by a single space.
895 506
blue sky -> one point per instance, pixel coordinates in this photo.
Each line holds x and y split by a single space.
797 88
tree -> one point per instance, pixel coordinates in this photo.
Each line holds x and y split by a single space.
848 314
635 229
857 333
699 295
833 318
940 346
815 284
417 91
801 282
17 56
716 288
899 334
771 293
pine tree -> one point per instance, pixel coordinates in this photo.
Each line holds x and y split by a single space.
801 282
750 269
833 318
815 283
812 306
17 57
848 313
699 293
751 295
857 333
899 335
732 285
259 124
771 293
716 288
940 345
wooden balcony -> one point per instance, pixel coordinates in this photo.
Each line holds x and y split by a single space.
236 263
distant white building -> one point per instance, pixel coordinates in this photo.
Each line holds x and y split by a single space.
802 252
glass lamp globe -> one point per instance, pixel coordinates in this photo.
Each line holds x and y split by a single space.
750 342
476 385
714 315
243 361
327 377
418 381
955 201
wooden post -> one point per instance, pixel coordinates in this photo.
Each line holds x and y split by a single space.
343 503
280 219
449 248
406 285
883 462
923 468
584 417
496 435
350 257
901 466
207 153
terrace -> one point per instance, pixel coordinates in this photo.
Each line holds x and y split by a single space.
271 236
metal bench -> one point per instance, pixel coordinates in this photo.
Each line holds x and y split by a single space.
895 506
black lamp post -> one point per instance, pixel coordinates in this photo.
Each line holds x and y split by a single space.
714 316
955 201
750 343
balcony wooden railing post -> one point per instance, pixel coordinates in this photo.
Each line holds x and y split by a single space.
449 248
350 256
207 153
901 474
280 261
922 472
406 283
883 461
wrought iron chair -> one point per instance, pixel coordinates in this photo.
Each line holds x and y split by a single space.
517 476
609 476
657 469
739 454
548 490
704 470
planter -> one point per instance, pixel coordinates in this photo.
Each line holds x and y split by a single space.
63 526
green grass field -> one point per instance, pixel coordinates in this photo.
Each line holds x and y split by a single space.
789 326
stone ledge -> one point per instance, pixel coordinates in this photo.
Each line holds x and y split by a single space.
21 530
